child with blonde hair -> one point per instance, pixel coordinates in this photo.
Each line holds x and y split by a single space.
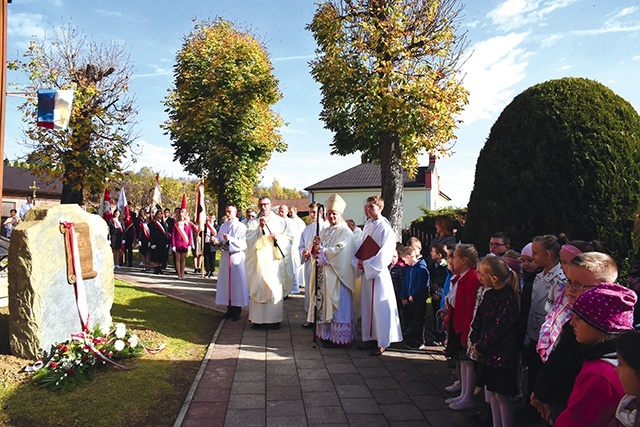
493 337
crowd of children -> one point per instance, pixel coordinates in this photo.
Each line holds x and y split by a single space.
547 326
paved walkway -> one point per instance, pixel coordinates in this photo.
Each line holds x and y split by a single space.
277 378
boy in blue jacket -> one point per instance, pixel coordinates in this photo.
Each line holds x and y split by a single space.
415 291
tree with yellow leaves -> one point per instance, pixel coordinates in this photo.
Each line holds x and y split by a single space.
391 84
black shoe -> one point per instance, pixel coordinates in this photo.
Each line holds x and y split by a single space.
227 315
367 345
257 326
308 325
286 297
412 345
274 326
329 344
235 318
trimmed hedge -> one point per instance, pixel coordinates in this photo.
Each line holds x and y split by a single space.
563 157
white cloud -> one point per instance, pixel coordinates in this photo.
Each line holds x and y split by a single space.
494 67
622 20
290 58
565 67
25 25
551 40
512 14
157 158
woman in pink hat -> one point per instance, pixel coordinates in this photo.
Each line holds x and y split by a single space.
601 314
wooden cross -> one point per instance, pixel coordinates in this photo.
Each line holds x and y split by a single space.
34 187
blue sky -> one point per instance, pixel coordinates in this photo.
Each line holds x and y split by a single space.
513 44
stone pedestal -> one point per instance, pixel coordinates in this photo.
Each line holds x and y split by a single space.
42 303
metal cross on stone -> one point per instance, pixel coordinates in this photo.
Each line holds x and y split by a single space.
34 187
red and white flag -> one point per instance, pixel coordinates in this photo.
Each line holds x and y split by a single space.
123 207
157 194
105 206
201 215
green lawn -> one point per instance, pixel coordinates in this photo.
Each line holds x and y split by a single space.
150 394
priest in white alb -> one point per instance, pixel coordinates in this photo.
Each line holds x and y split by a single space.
232 289
333 252
268 266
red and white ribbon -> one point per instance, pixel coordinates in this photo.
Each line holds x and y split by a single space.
78 286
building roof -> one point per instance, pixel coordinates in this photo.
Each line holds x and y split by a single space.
367 175
18 180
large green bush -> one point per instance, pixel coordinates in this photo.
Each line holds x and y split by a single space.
563 157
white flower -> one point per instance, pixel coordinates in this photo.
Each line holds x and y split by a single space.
121 330
133 341
105 329
118 345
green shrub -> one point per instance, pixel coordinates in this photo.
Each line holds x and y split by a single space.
563 157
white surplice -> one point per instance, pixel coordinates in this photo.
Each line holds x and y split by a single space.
380 319
232 280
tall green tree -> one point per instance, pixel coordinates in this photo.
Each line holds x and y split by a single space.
220 118
101 126
391 87
563 157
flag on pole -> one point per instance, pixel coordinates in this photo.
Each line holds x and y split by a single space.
105 207
123 207
184 204
200 211
157 194
54 108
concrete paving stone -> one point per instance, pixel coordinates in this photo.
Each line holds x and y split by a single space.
318 373
250 365
276 355
337 359
326 415
352 391
414 423
281 392
386 397
373 372
207 410
280 369
446 418
253 354
253 341
316 385
285 408
247 401
248 387
309 363
428 402
369 362
279 344
320 398
288 379
342 368
242 375
416 389
224 361
382 383
245 417
309 354
299 421
215 422
401 412
329 425
366 420
347 379
212 394
291 362
409 377
213 381
360 406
